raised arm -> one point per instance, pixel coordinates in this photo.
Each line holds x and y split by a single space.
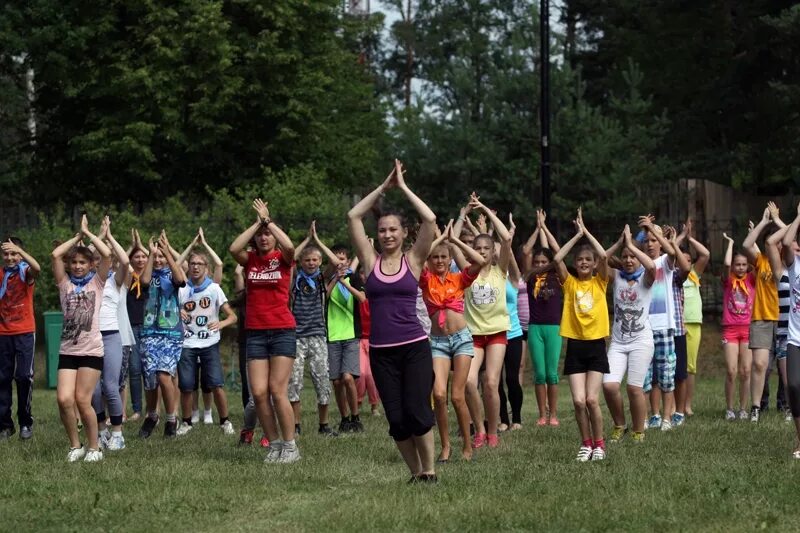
287 247
427 230
680 260
648 264
646 223
321 245
527 248
33 266
463 218
749 244
238 279
238 248
119 252
59 270
789 238
775 214
774 256
218 265
147 273
466 255
355 224
100 246
703 255
602 264
728 256
183 256
178 275
562 253
502 232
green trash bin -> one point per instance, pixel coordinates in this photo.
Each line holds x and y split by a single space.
53 323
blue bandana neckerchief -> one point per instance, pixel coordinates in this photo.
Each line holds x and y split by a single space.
310 278
641 236
80 283
632 276
164 276
194 289
110 274
343 288
19 269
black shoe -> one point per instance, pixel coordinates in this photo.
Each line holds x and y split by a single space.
147 427
297 429
170 429
345 426
326 431
356 426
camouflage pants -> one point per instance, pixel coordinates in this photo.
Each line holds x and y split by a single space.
315 349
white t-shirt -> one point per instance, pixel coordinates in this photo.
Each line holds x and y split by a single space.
109 307
794 302
203 309
631 310
661 297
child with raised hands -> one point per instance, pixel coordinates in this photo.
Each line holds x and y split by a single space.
271 335
738 295
791 260
201 301
631 348
113 324
488 320
308 307
451 340
135 302
17 331
584 323
692 306
162 334
80 282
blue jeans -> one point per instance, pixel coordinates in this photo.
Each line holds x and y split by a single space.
210 369
135 370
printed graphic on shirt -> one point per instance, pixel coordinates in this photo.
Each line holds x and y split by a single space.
659 295
584 302
265 274
161 312
628 311
738 302
796 294
483 294
13 303
78 315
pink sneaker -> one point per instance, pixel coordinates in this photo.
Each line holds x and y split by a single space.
264 442
541 422
554 421
479 440
492 440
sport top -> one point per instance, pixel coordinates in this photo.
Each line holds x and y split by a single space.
393 307
512 302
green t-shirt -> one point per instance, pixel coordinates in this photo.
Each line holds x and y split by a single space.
340 315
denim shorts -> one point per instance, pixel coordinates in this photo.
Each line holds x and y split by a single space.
448 346
264 343
210 369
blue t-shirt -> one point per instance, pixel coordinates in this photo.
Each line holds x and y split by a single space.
162 315
511 302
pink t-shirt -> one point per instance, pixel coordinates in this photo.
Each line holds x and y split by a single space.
81 332
737 300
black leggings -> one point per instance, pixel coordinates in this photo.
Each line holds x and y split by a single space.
243 372
793 379
511 365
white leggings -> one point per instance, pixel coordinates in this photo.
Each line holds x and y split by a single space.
634 356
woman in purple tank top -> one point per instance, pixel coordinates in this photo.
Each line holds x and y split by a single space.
399 352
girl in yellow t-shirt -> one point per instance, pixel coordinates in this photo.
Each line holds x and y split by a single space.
585 325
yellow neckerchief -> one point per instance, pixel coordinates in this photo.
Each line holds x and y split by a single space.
693 277
136 284
738 283
540 281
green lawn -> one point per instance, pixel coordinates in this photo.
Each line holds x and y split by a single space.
708 475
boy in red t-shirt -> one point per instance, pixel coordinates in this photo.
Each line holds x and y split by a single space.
17 328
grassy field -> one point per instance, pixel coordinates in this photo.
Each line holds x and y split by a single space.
706 476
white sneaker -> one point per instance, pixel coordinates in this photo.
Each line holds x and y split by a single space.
103 438
227 428
584 454
117 442
743 414
93 456
76 454
598 454
788 415
183 429
730 416
274 453
289 454
666 425
195 417
208 419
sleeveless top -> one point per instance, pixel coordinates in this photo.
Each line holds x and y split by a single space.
393 307
486 310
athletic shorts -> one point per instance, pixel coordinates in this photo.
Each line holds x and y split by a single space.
264 343
74 362
160 354
631 357
586 356
482 341
343 358
449 346
762 334
736 334
781 346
